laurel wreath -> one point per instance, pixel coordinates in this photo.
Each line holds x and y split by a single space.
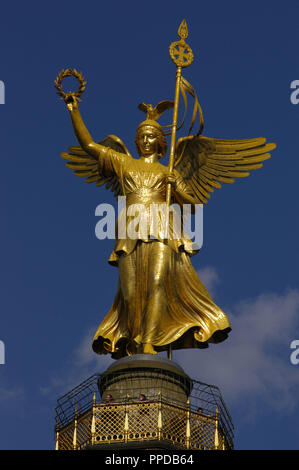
68 73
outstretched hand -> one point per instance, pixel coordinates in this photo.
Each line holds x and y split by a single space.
71 101
173 179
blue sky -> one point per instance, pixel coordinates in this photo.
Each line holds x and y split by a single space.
56 282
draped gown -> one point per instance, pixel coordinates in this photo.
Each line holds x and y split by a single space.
160 299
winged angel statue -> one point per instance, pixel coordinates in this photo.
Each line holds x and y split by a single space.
160 300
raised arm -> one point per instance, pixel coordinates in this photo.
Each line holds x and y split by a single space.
84 138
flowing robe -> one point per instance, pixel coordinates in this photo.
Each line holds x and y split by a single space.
160 299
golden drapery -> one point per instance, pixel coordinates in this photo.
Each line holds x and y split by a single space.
160 299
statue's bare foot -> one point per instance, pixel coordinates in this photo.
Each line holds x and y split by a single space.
148 349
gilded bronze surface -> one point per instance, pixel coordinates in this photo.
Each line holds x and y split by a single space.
160 301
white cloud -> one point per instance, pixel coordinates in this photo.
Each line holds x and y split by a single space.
255 361
10 395
209 277
81 364
84 356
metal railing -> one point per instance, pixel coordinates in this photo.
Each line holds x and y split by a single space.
144 421
201 422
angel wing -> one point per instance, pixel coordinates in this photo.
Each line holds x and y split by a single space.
204 162
87 167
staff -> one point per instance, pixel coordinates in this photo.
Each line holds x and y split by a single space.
182 55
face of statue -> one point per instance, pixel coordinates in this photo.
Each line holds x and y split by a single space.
148 141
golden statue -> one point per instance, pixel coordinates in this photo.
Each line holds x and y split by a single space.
160 303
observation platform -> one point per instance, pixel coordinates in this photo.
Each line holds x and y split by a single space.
145 402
